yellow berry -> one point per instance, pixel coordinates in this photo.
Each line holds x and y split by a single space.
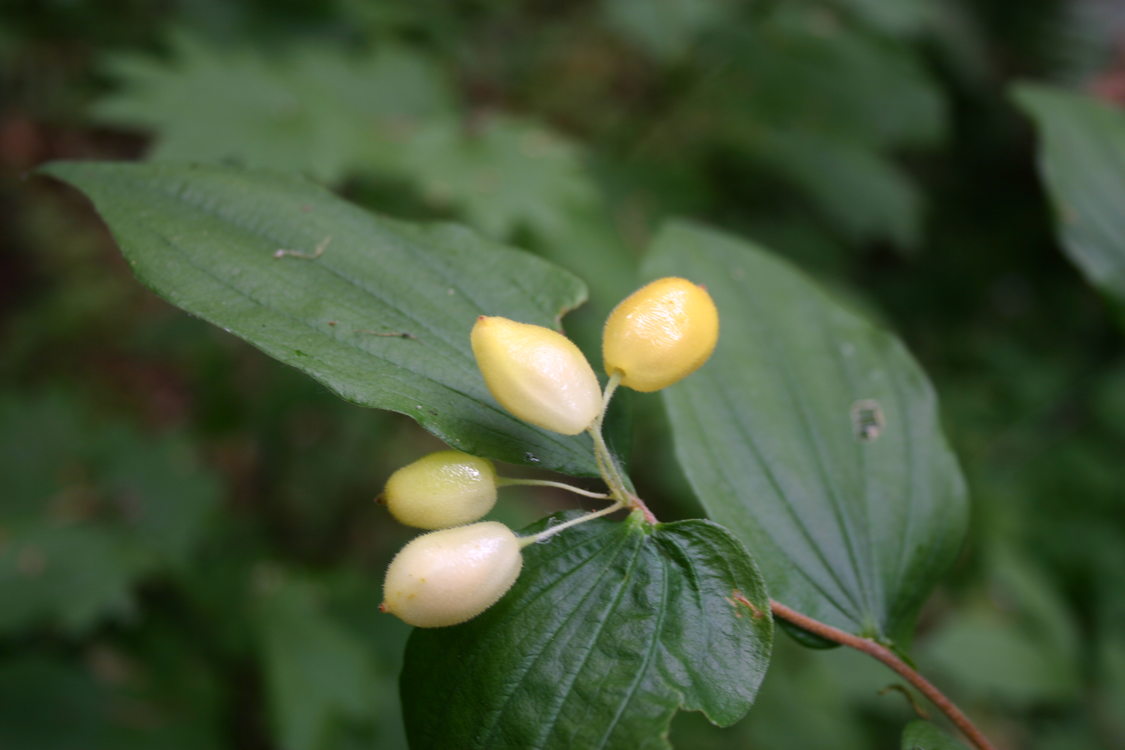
537 374
447 577
443 489
660 334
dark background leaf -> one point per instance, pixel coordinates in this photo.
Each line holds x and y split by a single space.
611 628
1082 161
320 110
84 521
922 735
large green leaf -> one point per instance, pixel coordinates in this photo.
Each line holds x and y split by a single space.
611 628
1082 158
206 238
814 437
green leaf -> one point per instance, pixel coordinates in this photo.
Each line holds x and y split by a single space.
90 508
861 192
161 489
829 136
1017 645
985 655
206 238
667 29
814 437
502 172
901 18
312 109
318 674
922 735
47 703
68 574
777 69
611 628
1082 160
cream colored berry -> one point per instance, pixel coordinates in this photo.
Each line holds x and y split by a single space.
443 489
660 334
447 577
537 374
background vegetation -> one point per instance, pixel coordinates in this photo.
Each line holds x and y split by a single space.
189 554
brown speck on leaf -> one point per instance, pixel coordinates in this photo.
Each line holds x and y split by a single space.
737 598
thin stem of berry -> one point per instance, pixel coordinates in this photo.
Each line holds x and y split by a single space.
548 533
607 395
507 482
607 462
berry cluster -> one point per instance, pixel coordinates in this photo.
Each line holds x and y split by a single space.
655 337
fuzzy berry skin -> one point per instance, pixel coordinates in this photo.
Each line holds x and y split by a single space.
537 374
660 334
447 577
443 489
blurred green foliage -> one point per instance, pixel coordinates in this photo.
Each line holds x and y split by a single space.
189 556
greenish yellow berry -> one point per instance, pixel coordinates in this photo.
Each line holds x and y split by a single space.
443 489
447 577
537 374
660 334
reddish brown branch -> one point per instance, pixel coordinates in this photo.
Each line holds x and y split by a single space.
637 504
885 655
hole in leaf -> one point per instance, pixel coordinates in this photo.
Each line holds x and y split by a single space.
867 419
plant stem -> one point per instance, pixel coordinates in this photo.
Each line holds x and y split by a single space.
506 482
548 533
885 655
607 463
610 387
611 472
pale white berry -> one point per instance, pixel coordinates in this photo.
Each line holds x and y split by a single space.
447 577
